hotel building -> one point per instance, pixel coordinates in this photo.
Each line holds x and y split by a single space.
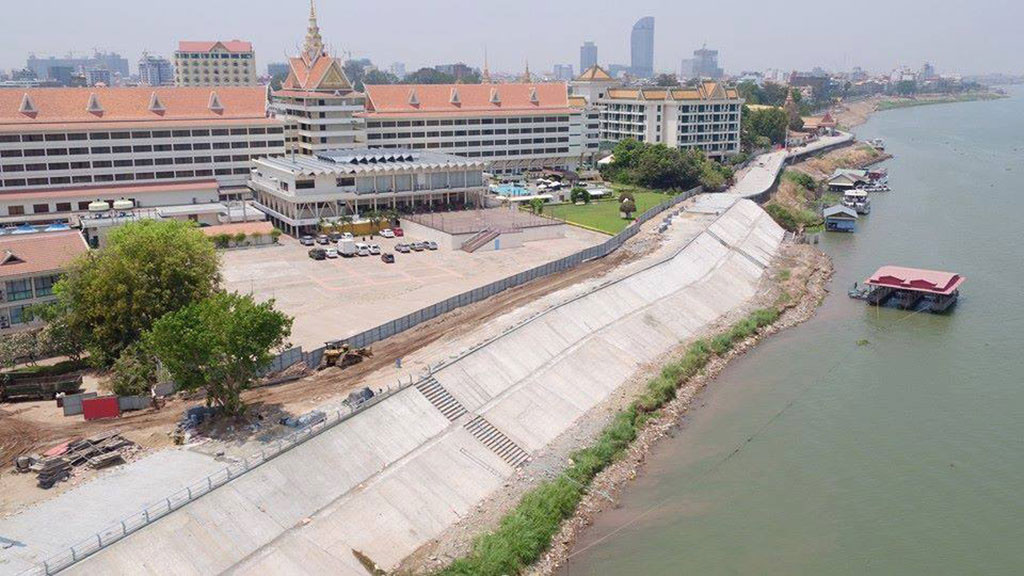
706 117
297 192
61 148
231 63
316 101
30 265
513 127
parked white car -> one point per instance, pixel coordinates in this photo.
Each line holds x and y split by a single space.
332 252
375 249
362 249
347 236
387 233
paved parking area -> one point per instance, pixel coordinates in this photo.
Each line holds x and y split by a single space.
336 298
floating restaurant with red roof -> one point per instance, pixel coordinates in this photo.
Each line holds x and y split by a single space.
913 288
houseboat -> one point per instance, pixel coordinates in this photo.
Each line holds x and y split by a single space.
911 289
840 218
858 200
877 144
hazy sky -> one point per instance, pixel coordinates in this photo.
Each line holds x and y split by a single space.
957 36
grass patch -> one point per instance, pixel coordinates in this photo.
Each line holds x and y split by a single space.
784 274
792 219
526 531
603 215
63 367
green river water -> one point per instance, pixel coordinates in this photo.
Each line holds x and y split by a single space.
813 455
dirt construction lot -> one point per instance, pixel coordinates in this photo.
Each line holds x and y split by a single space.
335 298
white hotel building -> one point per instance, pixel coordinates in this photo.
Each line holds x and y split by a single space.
297 192
61 148
513 127
706 117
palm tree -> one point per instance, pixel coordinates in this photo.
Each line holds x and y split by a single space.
346 222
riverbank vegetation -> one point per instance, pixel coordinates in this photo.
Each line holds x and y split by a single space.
895 103
526 531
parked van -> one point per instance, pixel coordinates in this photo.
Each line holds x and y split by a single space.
362 249
347 247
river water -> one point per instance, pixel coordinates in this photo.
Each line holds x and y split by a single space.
815 455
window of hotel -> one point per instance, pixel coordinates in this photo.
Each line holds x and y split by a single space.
58 165
121 149
105 178
32 138
181 133
17 314
19 289
102 164
99 136
162 134
60 180
35 153
44 285
119 136
10 138
63 206
35 167
15 210
10 153
56 137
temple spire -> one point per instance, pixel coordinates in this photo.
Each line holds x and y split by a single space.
313 47
527 77
485 78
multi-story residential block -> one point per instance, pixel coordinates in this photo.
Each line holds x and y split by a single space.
61 147
155 70
49 68
231 63
706 117
317 102
514 127
30 265
298 192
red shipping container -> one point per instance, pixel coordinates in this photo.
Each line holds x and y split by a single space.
98 408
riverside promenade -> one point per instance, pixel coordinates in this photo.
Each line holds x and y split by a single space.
755 182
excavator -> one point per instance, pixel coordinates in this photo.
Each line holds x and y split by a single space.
340 354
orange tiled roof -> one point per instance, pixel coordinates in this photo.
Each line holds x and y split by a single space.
318 76
42 252
595 72
204 46
262 227
128 104
109 191
704 91
437 98
577 101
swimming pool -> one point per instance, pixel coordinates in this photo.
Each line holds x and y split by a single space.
510 190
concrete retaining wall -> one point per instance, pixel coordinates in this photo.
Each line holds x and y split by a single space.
394 477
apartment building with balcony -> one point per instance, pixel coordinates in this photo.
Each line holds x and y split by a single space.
214 63
706 117
316 101
30 265
63 147
513 127
297 192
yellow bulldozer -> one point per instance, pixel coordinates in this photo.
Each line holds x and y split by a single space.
340 354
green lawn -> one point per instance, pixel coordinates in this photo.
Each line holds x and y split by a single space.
603 215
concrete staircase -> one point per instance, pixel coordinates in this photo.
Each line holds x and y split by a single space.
481 238
497 442
441 399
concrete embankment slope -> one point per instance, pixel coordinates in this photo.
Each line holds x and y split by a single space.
390 479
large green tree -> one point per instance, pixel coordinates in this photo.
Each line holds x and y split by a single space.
220 344
110 297
771 123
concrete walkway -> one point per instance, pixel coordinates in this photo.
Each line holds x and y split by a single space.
390 479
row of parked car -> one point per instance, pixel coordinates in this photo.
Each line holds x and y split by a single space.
309 240
348 248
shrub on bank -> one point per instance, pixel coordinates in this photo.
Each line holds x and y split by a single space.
526 531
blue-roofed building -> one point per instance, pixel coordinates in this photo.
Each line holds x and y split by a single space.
839 218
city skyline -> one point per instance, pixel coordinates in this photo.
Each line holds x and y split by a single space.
905 36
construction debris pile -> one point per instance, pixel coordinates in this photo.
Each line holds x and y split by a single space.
60 462
187 428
